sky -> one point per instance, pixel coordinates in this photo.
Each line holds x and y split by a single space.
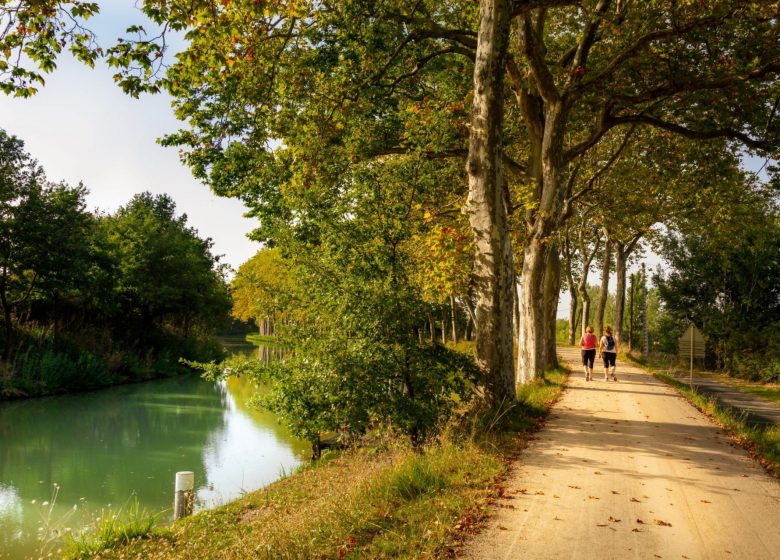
82 128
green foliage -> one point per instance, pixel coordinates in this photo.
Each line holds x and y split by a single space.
165 273
723 277
89 300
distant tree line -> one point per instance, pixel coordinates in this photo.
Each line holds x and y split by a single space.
90 299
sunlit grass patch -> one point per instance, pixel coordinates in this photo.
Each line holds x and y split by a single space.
112 528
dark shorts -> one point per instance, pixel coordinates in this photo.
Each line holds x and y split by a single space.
588 357
609 358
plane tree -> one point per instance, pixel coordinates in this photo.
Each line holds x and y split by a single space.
335 81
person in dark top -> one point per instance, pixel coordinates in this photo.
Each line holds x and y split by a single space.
608 349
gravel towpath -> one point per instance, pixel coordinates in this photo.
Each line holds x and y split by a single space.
629 469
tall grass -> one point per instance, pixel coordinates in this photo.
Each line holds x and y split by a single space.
112 528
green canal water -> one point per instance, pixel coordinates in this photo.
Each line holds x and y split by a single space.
65 459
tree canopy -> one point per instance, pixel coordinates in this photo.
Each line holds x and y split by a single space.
517 109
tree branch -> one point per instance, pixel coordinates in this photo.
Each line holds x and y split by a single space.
580 60
693 134
533 50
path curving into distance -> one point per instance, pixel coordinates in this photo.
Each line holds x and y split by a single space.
631 470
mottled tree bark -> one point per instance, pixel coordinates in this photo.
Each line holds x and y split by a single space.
604 290
645 332
493 270
552 288
622 252
545 222
620 290
572 293
582 285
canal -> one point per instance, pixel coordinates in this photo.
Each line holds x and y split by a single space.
66 459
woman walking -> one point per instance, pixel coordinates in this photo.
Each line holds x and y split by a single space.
588 345
608 350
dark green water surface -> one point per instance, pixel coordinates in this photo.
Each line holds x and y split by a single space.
98 450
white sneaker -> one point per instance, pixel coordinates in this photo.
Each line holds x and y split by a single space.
606 378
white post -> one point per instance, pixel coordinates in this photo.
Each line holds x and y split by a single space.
184 496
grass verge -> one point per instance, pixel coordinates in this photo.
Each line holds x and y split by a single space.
384 501
762 443
665 362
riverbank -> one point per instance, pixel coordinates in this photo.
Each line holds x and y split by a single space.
398 503
45 369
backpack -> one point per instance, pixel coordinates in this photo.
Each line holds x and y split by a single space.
610 344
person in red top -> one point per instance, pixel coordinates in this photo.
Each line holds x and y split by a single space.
588 345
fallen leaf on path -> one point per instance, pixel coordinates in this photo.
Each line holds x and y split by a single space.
635 500
596 472
705 501
601 525
556 496
539 493
557 518
613 520
503 528
617 493
636 530
662 523
593 498
575 487
640 521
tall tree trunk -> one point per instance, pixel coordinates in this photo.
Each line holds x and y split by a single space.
622 252
572 293
537 250
645 333
582 285
604 290
454 317
585 300
486 206
620 289
530 359
552 289
631 316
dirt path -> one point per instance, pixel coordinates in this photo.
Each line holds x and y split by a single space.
631 470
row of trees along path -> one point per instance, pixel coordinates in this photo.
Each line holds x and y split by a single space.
558 91
631 470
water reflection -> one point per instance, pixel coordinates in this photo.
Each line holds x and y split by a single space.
103 447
